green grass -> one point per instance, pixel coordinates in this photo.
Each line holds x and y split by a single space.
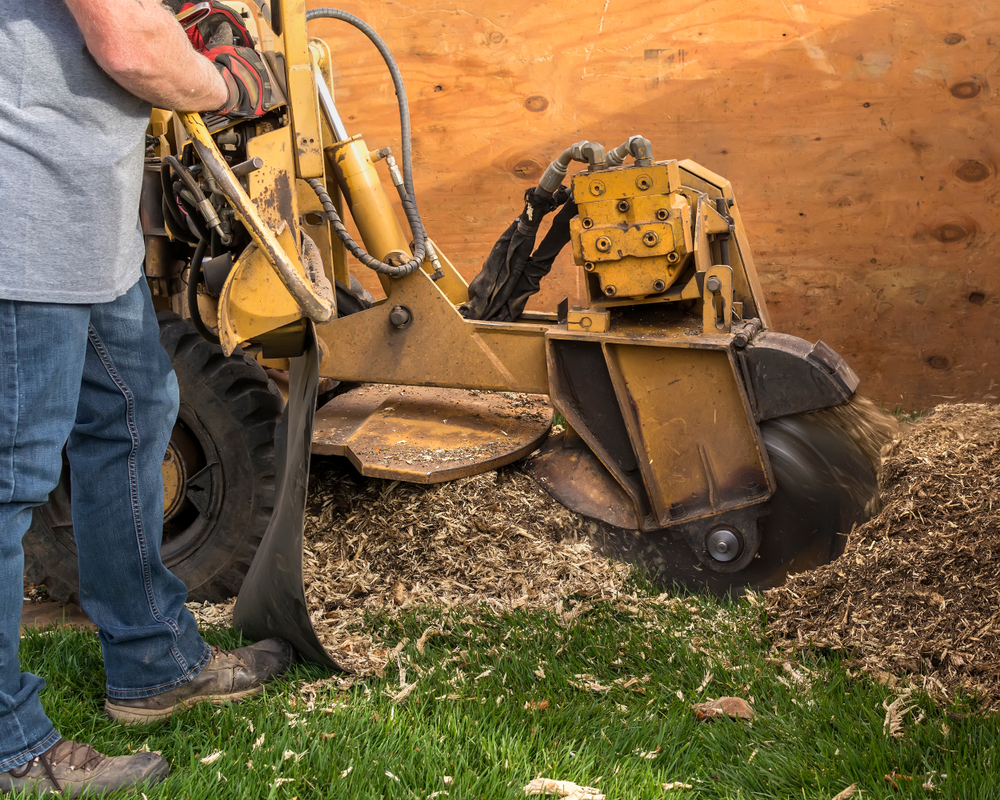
813 735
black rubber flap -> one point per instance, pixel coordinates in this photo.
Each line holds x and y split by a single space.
272 601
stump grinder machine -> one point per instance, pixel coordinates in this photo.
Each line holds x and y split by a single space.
687 432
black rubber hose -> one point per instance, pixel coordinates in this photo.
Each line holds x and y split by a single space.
181 228
194 278
406 192
185 177
397 82
392 270
194 217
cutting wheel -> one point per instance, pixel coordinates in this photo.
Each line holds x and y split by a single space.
825 485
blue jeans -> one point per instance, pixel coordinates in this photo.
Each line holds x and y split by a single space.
92 378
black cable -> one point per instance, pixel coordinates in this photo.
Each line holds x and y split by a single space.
194 278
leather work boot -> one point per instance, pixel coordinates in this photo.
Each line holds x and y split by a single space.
229 675
80 771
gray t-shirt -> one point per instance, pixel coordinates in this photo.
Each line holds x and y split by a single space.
71 155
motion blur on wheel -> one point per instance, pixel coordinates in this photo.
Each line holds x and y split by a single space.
717 452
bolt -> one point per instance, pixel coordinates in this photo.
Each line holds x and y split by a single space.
713 284
659 286
643 182
610 291
650 239
400 317
603 244
623 206
672 257
662 214
677 510
597 188
589 266
587 222
586 322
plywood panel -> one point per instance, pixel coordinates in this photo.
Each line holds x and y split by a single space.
860 136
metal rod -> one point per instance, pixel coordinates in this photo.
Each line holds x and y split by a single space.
329 109
246 167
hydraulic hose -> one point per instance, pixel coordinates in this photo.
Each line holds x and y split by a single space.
182 229
203 203
406 193
392 270
194 278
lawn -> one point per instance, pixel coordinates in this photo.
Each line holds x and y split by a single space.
476 705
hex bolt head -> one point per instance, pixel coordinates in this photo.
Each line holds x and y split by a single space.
623 206
400 317
659 286
662 214
587 222
603 244
713 284
650 239
677 510
610 291
589 266
673 257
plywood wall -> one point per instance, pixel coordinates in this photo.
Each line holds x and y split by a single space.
860 136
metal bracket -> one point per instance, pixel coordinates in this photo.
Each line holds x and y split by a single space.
717 299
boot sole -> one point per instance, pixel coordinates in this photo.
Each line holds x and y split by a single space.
144 716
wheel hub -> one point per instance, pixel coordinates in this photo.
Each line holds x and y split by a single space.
723 545
174 481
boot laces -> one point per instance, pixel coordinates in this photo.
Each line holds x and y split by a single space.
74 754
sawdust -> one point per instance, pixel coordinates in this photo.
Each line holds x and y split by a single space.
916 595
493 541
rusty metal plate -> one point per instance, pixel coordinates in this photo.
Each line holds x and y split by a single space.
423 434
569 471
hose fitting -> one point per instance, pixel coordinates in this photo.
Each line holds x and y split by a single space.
638 147
590 153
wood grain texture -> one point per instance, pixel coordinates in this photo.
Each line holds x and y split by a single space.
860 137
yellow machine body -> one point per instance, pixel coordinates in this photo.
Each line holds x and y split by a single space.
664 376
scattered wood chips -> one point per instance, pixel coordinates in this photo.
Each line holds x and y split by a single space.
494 540
917 591
735 707
564 789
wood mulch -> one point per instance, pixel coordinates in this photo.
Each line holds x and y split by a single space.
916 594
493 541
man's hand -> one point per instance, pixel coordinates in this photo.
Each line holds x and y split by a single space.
142 47
220 28
246 78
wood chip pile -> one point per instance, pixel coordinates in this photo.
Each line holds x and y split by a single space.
495 540
917 591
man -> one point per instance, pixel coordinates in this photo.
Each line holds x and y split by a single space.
81 367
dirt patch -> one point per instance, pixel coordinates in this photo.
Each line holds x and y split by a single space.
917 591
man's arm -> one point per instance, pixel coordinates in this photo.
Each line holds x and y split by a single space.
141 46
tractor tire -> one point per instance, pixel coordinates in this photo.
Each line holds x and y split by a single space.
219 476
